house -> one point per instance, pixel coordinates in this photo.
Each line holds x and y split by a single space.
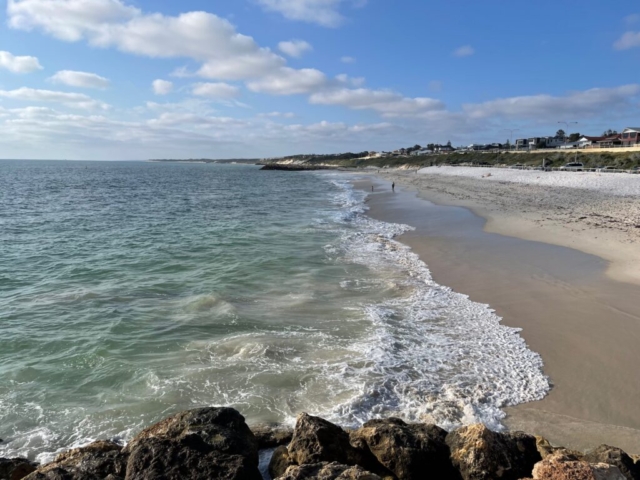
444 149
545 142
611 141
630 137
521 143
589 142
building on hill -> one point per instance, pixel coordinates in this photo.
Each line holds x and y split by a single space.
630 137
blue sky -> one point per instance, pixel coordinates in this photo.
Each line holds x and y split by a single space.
121 79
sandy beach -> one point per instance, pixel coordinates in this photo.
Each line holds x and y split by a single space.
558 261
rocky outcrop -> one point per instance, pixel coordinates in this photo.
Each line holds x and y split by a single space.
217 444
316 441
15 468
480 454
561 467
614 456
327 471
272 436
199 444
99 460
295 167
208 443
411 452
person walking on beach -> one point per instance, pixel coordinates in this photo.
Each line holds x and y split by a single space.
393 187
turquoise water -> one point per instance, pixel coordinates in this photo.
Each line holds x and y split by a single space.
129 291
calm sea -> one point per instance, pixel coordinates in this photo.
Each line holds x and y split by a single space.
130 291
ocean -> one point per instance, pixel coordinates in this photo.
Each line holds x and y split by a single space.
130 291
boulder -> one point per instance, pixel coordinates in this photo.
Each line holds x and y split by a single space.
617 457
562 467
96 461
327 471
207 443
272 435
410 451
280 462
546 449
317 441
15 468
480 454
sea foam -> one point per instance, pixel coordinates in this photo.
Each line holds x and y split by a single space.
434 354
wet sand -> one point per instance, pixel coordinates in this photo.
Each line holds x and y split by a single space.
585 325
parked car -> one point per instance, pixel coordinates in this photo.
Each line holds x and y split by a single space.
635 170
572 167
606 169
518 166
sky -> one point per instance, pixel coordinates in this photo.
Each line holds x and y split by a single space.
141 79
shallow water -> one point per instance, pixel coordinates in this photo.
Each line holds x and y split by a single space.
129 291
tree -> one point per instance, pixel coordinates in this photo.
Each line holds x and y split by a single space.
507 144
574 137
608 133
448 143
560 134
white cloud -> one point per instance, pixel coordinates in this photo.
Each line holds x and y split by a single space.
387 102
588 103
321 12
627 41
277 115
215 90
354 81
288 81
464 51
295 48
182 119
162 87
15 64
74 100
347 59
201 36
80 79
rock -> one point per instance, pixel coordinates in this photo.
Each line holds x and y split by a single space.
480 454
546 449
16 468
316 441
280 462
409 451
97 460
327 471
207 443
272 436
561 467
617 457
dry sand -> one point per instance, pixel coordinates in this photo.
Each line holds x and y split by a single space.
584 323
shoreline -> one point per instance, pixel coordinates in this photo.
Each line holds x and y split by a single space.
582 228
558 296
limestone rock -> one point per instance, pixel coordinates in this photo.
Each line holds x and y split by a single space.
272 436
97 461
15 468
561 467
280 462
617 457
480 454
327 471
316 441
207 443
546 449
409 451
